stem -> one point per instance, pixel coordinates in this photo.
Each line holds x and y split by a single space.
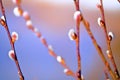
45 43
76 2
78 52
98 48
108 41
11 43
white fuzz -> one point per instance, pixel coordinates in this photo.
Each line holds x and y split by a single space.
25 14
36 30
50 47
59 58
3 18
16 1
29 23
17 11
72 34
82 77
76 14
99 21
111 34
66 70
107 52
14 36
11 54
37 33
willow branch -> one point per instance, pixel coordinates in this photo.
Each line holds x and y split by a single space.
108 39
78 20
10 39
98 48
30 26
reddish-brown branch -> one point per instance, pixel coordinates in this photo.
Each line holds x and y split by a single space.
11 43
76 2
44 41
108 40
78 20
78 53
98 48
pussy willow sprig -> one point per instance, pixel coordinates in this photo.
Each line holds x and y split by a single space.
108 37
74 35
18 11
78 18
98 48
12 39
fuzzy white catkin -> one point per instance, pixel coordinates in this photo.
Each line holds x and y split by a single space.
50 47
14 36
72 34
11 54
36 30
76 14
59 58
99 21
111 34
17 11
29 23
3 18
107 52
16 1
65 70
25 14
82 77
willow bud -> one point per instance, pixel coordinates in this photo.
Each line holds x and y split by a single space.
68 72
111 36
11 54
17 11
14 36
100 22
72 35
16 2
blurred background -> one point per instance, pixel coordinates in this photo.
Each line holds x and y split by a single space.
54 18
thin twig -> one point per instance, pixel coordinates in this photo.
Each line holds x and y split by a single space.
95 43
76 2
108 40
12 44
30 26
98 48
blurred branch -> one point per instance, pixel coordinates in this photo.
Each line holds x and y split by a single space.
78 18
18 11
108 38
98 48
